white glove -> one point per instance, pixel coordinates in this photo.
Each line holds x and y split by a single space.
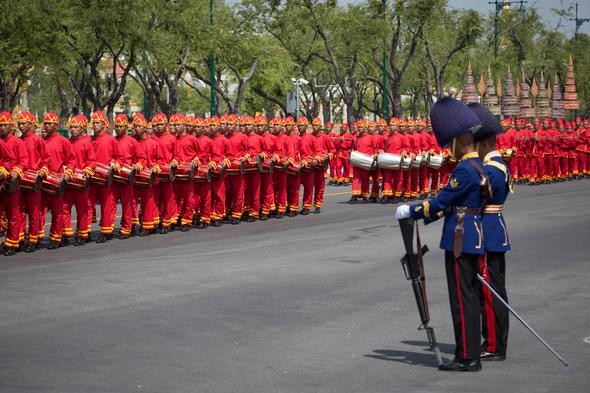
402 211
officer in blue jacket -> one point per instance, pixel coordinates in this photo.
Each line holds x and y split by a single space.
494 315
461 203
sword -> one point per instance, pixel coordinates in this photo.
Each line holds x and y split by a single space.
488 286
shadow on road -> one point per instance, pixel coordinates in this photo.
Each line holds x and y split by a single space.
425 359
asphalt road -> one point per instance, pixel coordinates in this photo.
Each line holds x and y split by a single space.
308 304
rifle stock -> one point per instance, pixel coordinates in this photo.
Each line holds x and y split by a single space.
414 271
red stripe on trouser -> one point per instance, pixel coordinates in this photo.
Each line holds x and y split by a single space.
55 203
164 195
79 199
293 186
461 311
252 184
218 198
31 206
185 200
387 182
124 192
307 179
235 191
267 194
108 207
489 315
148 206
202 193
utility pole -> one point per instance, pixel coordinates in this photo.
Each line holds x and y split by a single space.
579 23
212 63
500 5
384 113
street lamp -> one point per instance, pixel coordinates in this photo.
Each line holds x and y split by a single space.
212 63
501 5
298 82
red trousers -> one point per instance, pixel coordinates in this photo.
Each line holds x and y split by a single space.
124 193
293 186
202 197
523 167
538 171
307 179
267 192
235 194
149 210
319 185
334 174
166 202
108 207
424 179
55 203
582 159
360 182
375 176
411 183
218 198
185 201
11 204
79 199
435 180
513 166
564 167
280 179
31 206
387 182
252 183
557 172
344 170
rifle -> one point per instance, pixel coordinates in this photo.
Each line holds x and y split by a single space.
414 270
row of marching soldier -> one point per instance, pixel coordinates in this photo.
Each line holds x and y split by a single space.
183 172
401 161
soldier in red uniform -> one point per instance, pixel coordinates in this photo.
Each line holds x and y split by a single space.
218 148
187 150
283 151
336 139
105 151
267 194
360 182
205 154
237 150
424 141
579 164
13 163
252 180
86 162
294 178
30 199
150 156
307 152
129 154
343 168
325 150
164 190
61 161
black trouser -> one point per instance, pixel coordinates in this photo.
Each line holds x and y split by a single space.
494 315
464 297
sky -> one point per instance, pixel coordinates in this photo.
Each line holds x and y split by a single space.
544 7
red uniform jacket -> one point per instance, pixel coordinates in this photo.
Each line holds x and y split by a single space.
308 148
205 149
395 144
105 149
84 154
167 143
219 146
237 146
13 154
187 148
129 151
150 152
348 141
35 151
58 154
324 144
365 144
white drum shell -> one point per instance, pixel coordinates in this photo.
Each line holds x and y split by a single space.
389 161
406 163
435 161
361 160
417 161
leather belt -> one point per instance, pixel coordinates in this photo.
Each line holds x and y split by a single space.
475 211
493 209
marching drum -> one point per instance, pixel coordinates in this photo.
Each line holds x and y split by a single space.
268 165
103 174
406 163
434 161
218 171
54 184
322 163
185 171
145 178
79 181
167 173
236 167
417 161
11 184
31 181
389 161
126 175
253 165
294 169
363 161
203 174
